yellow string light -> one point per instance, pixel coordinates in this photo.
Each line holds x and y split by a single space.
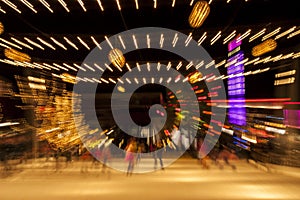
266 46
116 57
199 13
16 55
1 28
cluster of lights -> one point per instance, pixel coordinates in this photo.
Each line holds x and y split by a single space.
58 126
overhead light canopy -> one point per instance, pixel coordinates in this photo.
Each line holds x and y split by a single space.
199 14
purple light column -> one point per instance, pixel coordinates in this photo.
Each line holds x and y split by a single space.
236 86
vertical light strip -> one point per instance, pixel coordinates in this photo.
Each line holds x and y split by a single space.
100 5
10 43
189 65
13 6
63 68
202 38
208 65
161 42
128 67
100 68
45 3
118 3
229 37
161 79
112 80
70 67
47 65
136 80
179 65
155 3
96 43
70 43
136 4
89 67
108 67
244 35
79 67
169 80
58 43
33 43
42 66
122 42
271 34
108 42
188 39
105 81
293 34
82 5
220 63
175 39
83 43
3 11
200 64
148 41
173 3
29 5
148 67
5 46
64 5
138 66
135 42
169 66
158 66
22 43
128 80
96 80
212 41
252 61
46 43
191 3
120 80
260 33
285 33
